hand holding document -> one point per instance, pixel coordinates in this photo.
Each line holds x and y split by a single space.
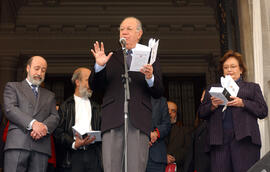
229 88
141 54
83 134
139 59
221 93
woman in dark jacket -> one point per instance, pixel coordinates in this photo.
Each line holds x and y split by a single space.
234 137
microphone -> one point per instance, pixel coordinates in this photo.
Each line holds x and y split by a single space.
123 42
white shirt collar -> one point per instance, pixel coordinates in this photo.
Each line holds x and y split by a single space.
140 46
80 98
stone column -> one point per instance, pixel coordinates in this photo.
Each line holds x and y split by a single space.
265 17
8 71
258 68
252 45
245 24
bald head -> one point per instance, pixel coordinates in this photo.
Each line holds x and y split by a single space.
29 62
80 80
77 74
137 21
36 69
131 30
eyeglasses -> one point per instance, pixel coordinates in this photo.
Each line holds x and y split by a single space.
233 67
128 28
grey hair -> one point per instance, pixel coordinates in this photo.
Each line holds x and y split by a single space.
139 23
76 76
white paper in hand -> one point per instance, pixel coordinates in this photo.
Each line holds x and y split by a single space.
153 44
230 85
140 57
220 92
229 88
78 131
83 133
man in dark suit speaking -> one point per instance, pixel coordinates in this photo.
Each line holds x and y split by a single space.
31 112
107 78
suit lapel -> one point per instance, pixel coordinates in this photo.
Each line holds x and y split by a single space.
28 93
241 85
120 58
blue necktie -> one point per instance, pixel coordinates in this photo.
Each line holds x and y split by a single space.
34 89
129 58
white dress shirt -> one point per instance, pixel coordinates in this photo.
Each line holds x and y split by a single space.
83 114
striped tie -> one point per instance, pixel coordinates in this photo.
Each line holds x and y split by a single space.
34 89
129 58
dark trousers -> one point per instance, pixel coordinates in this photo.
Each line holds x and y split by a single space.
18 160
51 168
60 169
86 160
155 167
233 155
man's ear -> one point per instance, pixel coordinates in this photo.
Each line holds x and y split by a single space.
77 82
140 34
27 68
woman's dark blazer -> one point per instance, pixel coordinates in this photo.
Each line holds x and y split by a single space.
244 118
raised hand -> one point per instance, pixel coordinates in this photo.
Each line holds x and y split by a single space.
99 54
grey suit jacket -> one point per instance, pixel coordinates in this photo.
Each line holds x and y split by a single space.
21 107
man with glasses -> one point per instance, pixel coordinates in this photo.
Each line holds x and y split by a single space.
144 84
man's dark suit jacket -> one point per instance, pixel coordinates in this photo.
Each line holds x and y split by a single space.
178 142
197 159
0 114
161 121
244 118
109 82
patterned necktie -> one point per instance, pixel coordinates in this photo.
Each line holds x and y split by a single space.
34 89
129 58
